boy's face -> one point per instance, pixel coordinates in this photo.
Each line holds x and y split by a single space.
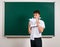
36 15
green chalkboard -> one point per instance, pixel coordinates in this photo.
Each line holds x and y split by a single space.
17 15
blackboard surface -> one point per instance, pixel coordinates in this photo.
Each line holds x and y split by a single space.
17 15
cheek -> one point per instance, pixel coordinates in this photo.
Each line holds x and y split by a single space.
37 16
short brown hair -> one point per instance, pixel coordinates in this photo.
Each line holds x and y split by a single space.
36 11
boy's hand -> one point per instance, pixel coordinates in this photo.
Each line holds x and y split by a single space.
37 21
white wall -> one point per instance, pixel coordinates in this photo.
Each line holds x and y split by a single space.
24 42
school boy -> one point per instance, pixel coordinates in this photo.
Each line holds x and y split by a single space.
35 28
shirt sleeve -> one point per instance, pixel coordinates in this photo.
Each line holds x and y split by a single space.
42 24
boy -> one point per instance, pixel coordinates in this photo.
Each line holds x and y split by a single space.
35 28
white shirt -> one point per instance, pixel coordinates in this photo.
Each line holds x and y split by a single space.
35 33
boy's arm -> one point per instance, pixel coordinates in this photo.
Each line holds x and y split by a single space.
29 29
40 28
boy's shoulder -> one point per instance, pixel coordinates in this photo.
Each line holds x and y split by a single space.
41 21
